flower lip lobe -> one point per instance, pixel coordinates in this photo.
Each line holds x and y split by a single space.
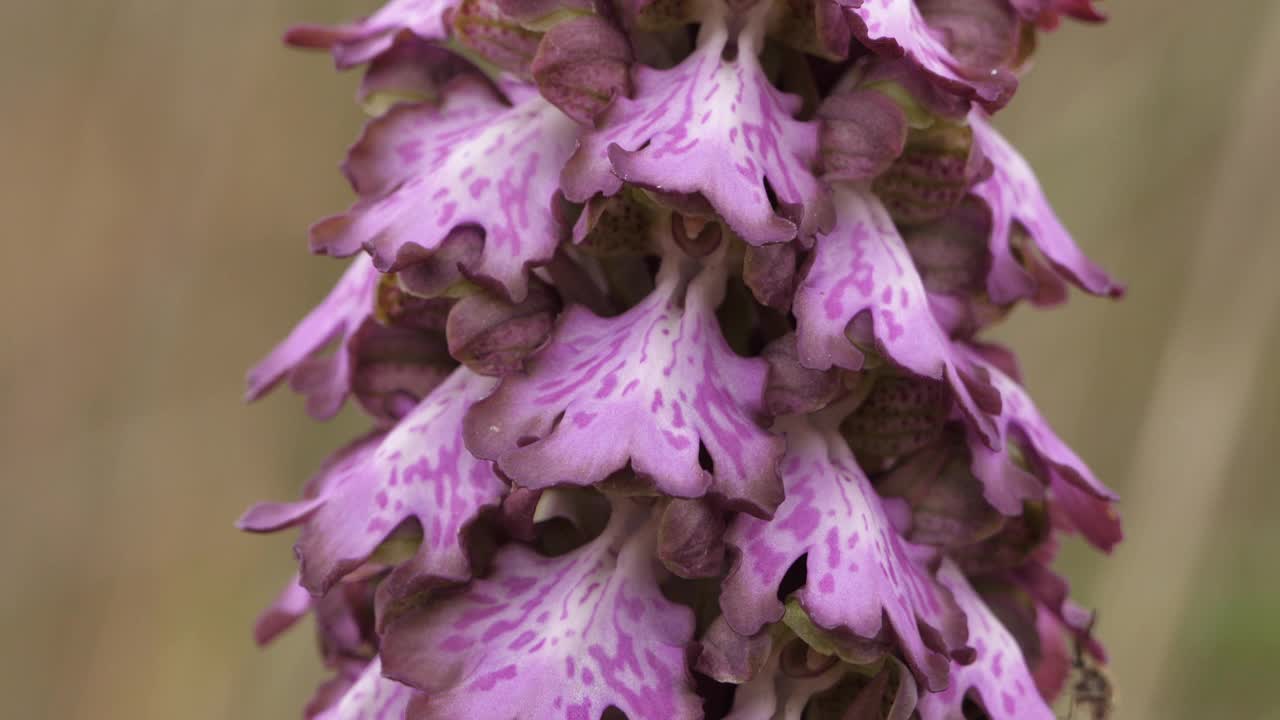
360 42
859 570
419 470
713 127
542 636
649 389
424 172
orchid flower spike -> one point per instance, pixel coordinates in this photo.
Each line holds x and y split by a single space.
668 318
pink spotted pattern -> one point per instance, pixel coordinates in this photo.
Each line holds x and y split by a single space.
1019 421
862 268
859 569
713 127
1015 198
998 677
646 388
563 637
897 29
422 172
419 470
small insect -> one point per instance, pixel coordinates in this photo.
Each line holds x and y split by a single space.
1092 689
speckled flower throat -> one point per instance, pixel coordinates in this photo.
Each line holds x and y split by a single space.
667 316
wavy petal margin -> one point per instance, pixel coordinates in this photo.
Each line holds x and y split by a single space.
1016 200
419 470
655 388
424 173
896 29
714 127
862 269
564 637
325 381
860 573
998 675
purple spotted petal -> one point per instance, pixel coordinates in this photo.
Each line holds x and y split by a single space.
564 637
713 127
862 270
325 381
997 678
360 42
421 471
859 571
1015 199
895 28
650 387
423 172
1020 422
371 697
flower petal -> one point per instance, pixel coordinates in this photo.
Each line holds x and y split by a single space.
419 470
325 382
1048 13
283 613
714 127
652 387
1015 197
564 637
859 571
1019 421
862 270
998 676
424 172
359 42
895 28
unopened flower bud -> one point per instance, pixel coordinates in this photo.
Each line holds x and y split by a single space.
725 656
493 336
582 65
770 272
863 132
791 387
395 367
691 538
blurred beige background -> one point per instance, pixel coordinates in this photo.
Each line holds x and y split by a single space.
162 161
